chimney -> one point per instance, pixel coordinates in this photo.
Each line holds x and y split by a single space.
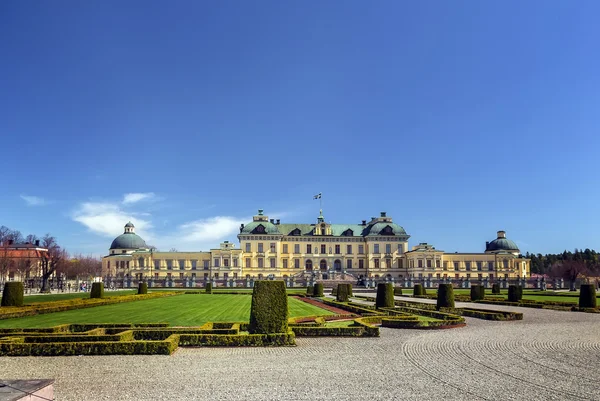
272 221
37 242
364 222
278 221
10 242
501 234
383 214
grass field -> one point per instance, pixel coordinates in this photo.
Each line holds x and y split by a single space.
181 310
32 299
532 295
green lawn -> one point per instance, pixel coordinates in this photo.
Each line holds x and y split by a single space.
181 310
32 299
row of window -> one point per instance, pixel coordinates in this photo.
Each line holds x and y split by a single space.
479 266
337 249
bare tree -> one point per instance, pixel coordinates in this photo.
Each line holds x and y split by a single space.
52 260
570 270
31 238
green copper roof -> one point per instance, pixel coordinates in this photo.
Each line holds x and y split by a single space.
501 244
250 228
379 229
128 241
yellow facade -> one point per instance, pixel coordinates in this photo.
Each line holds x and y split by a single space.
377 248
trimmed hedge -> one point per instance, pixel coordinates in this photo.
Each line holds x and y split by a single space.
445 297
385 295
496 288
587 296
13 294
515 294
342 293
334 290
418 290
242 340
489 314
269 310
97 290
397 290
208 288
351 307
477 292
318 290
142 288
349 290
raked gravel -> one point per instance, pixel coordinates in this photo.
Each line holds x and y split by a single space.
550 355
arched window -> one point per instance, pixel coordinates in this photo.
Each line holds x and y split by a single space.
141 262
337 265
323 265
309 265
348 233
387 231
260 229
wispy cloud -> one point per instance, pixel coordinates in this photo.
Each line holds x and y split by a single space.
33 200
137 197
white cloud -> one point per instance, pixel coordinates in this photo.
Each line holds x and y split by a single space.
108 219
33 200
137 197
210 229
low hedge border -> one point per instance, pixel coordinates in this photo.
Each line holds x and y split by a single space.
552 305
351 307
240 340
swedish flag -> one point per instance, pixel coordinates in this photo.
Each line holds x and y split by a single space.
317 196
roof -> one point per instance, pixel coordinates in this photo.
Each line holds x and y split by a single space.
501 244
377 228
128 241
250 228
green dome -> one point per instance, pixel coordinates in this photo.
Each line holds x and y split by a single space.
128 241
130 224
252 228
380 229
501 244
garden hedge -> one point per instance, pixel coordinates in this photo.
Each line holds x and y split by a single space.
318 290
349 290
385 295
515 294
310 290
397 290
208 288
97 290
242 340
334 290
13 294
496 288
587 296
445 298
269 310
142 288
418 290
342 293
477 292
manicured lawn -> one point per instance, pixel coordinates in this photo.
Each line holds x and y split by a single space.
181 310
31 299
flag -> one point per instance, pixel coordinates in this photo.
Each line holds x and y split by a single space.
317 196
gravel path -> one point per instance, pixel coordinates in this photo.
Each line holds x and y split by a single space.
550 355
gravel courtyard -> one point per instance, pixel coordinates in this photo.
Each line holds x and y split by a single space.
549 355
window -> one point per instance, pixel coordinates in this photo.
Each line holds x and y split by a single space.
420 263
216 263
361 264
296 263
456 266
323 248
235 276
225 262
248 262
205 264
388 263
194 264
349 249
478 265
491 266
468 276
272 246
225 276
505 264
260 247
193 276
400 248
376 263
349 264
308 248
169 276
285 248
260 229
437 263
169 264
401 263
108 265
468 266
296 248
429 263
388 248
248 247
445 265
181 264
376 248
272 263
337 250
261 263
361 249
235 262
141 262
217 276
181 277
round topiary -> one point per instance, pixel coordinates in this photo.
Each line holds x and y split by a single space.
445 296
208 288
515 294
310 290
397 290
587 296
496 288
385 295
418 290
318 290
97 290
342 293
142 288
269 310
477 292
13 294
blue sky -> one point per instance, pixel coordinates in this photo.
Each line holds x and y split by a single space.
457 118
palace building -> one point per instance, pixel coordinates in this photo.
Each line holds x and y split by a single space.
377 248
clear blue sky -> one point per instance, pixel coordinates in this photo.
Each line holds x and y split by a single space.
457 118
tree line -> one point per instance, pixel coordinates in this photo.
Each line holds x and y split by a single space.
568 265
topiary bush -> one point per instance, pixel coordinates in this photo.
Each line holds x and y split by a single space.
445 296
418 290
208 288
349 290
515 294
269 311
587 296
97 290
13 294
334 290
397 290
310 290
385 295
477 292
318 290
142 288
496 288
342 293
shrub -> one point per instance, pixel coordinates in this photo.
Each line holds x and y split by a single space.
496 288
418 290
318 290
310 290
349 290
342 293
142 288
445 298
587 296
385 295
477 292
515 294
269 310
397 290
334 290
13 294
208 288
97 290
